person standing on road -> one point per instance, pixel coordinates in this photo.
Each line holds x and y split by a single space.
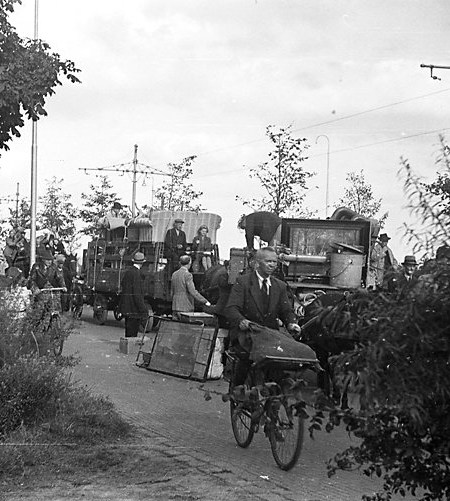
131 303
184 293
257 297
382 262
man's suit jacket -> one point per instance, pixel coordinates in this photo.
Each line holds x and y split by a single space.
246 302
183 291
131 301
172 241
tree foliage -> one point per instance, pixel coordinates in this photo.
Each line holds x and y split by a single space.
96 203
57 212
400 371
178 193
29 73
430 203
359 197
282 176
441 186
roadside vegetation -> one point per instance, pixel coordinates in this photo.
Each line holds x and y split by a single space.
42 410
400 367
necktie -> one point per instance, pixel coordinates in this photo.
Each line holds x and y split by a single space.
265 295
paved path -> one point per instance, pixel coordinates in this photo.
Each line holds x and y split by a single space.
174 418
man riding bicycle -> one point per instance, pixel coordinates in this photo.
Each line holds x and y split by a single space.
44 275
258 298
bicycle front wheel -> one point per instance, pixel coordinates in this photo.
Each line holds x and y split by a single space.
286 435
56 337
241 423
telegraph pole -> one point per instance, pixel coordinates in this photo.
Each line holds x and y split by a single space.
136 168
34 164
433 67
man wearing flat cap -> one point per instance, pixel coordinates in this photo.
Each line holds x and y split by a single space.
175 244
131 303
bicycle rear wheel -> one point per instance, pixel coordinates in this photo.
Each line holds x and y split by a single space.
241 423
56 337
286 435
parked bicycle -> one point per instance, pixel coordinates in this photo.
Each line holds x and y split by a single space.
273 397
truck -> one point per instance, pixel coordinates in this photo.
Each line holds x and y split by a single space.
111 250
327 255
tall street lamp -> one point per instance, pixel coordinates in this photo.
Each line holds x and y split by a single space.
34 164
328 172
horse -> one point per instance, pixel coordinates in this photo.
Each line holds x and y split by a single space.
325 330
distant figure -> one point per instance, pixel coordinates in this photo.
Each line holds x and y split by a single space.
131 303
175 244
184 293
115 211
259 224
382 262
15 243
404 276
202 247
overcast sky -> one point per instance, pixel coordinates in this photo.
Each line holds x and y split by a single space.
205 78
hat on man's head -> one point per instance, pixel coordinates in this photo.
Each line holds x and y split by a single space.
117 205
409 261
178 221
384 237
139 258
45 254
203 227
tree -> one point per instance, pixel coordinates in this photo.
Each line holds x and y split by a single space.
359 197
441 186
178 194
29 73
430 203
96 203
57 211
282 176
399 370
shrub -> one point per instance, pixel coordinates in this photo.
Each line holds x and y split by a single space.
401 372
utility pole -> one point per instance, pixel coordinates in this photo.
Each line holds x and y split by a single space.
432 67
34 164
122 168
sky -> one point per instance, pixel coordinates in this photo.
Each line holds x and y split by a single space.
206 77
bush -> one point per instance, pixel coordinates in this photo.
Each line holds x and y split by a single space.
400 369
30 390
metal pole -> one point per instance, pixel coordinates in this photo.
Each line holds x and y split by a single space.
133 197
328 172
34 163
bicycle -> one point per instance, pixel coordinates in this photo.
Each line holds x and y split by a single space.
273 396
76 298
54 327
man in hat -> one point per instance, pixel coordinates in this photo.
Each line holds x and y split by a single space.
382 261
131 302
44 275
175 244
404 276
